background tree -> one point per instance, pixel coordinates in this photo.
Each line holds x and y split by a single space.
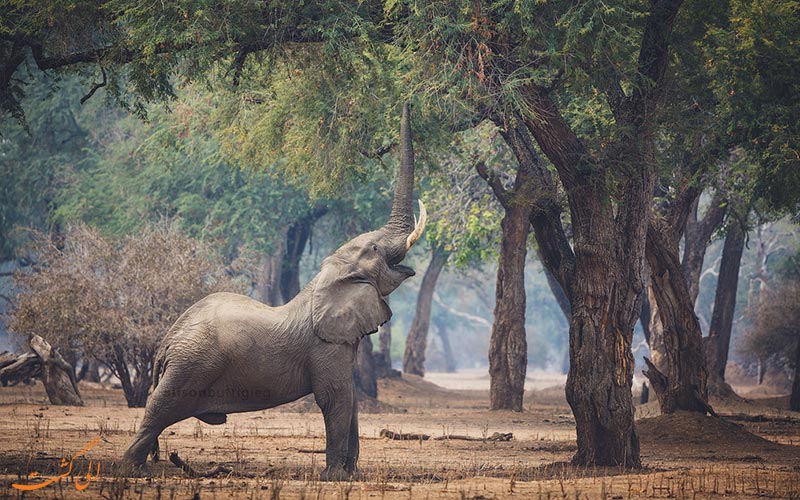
463 224
114 301
775 334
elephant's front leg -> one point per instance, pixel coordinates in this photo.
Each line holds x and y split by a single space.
337 408
352 450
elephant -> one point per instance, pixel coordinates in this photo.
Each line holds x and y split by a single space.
229 353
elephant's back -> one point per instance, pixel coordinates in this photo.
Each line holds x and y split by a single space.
212 331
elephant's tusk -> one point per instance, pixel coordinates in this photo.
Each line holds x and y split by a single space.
419 226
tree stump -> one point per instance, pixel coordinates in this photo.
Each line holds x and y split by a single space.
57 375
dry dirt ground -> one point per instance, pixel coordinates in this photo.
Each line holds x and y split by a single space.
753 452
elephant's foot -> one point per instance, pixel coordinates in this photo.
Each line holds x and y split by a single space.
334 474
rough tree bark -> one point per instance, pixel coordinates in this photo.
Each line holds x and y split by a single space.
719 335
417 339
683 386
508 347
605 289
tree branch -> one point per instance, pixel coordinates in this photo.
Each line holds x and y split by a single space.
95 86
494 181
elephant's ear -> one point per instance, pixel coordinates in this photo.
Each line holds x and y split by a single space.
345 307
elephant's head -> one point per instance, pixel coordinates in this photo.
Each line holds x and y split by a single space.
348 293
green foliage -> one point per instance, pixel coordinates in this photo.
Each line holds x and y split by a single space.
172 167
753 65
464 216
33 160
321 131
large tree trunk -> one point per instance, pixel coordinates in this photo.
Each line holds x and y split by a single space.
683 386
719 336
606 289
508 348
417 339
605 309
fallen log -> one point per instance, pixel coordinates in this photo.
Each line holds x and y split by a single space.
16 368
399 436
45 363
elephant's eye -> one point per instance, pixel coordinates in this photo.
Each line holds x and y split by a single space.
374 247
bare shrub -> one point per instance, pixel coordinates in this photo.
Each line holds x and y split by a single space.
775 336
114 301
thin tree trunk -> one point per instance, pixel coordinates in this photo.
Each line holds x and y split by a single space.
683 386
383 357
417 339
297 236
268 280
719 337
696 237
508 348
644 316
655 330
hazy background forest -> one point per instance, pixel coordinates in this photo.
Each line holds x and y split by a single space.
96 163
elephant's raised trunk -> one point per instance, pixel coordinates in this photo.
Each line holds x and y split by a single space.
402 224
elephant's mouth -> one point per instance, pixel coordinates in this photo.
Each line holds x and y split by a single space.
400 268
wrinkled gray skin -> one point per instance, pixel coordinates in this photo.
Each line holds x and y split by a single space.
229 353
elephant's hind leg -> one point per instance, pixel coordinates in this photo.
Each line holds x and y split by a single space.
160 413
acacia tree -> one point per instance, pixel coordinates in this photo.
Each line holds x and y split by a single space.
114 301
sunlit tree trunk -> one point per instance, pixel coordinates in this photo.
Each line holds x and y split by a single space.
508 348
417 339
719 336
